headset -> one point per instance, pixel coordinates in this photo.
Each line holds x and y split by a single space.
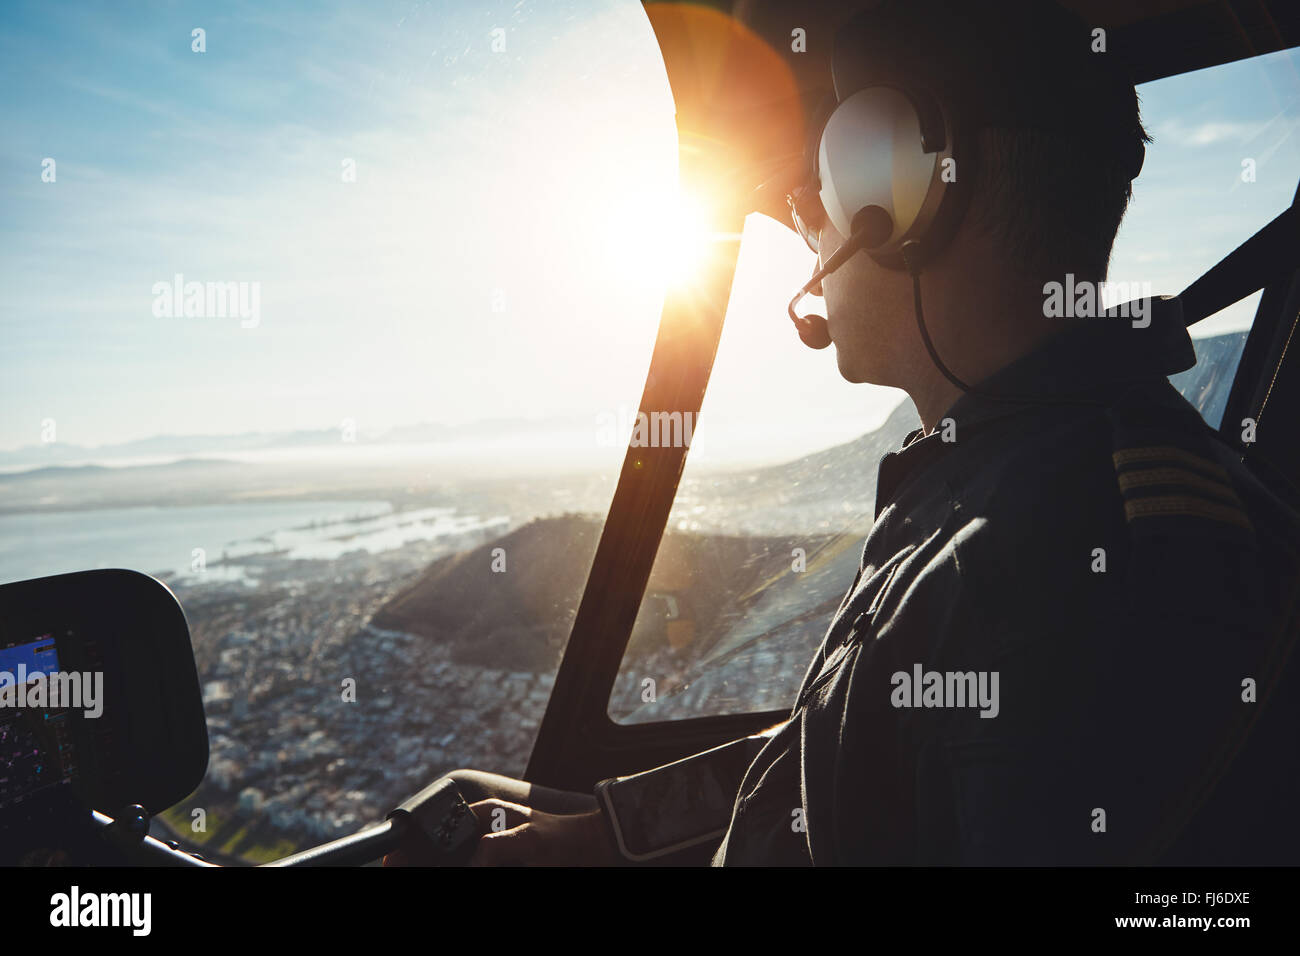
884 173
885 165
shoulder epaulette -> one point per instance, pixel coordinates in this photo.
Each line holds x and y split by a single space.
1170 477
1165 480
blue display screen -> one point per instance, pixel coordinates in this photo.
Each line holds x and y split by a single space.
35 744
39 656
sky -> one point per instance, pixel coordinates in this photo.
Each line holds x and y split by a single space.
481 264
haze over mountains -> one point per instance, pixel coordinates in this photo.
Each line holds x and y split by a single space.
418 465
575 438
171 447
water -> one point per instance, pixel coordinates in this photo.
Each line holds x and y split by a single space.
164 540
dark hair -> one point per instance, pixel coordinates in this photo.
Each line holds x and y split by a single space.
1054 131
1052 205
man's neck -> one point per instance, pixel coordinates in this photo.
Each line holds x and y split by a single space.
972 354
932 401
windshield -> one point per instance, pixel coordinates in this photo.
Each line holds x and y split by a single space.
319 313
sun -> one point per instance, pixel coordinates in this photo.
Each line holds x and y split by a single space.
684 241
669 240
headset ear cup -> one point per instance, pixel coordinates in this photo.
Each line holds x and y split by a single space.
891 151
951 196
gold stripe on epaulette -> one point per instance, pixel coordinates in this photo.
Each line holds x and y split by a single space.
1186 505
1127 456
1175 476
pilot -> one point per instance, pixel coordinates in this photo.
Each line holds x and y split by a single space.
1068 639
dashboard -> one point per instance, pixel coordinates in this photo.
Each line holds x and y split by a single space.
100 708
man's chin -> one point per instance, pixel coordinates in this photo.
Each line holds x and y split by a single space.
848 371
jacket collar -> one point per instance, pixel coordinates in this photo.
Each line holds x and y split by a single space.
1088 362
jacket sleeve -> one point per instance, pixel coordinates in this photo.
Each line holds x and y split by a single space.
682 804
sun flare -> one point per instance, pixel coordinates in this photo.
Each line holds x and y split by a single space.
671 240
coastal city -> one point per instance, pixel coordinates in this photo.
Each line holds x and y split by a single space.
320 721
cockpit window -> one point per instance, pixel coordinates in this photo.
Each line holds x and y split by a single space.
315 312
1225 161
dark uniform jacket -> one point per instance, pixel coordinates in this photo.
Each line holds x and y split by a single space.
1067 641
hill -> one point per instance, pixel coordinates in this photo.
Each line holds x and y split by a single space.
519 618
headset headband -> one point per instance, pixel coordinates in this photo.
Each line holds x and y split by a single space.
1026 64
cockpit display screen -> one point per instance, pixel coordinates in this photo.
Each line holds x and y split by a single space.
36 749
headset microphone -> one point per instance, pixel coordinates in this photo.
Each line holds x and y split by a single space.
872 226
813 331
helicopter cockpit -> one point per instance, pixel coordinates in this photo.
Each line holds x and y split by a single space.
445 410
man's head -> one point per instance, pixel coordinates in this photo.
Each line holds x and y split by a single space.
1050 136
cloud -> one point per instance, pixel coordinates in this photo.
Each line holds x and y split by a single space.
1179 133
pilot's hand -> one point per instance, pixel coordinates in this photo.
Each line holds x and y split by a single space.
515 835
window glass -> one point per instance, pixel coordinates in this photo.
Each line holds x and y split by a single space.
312 311
1225 161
